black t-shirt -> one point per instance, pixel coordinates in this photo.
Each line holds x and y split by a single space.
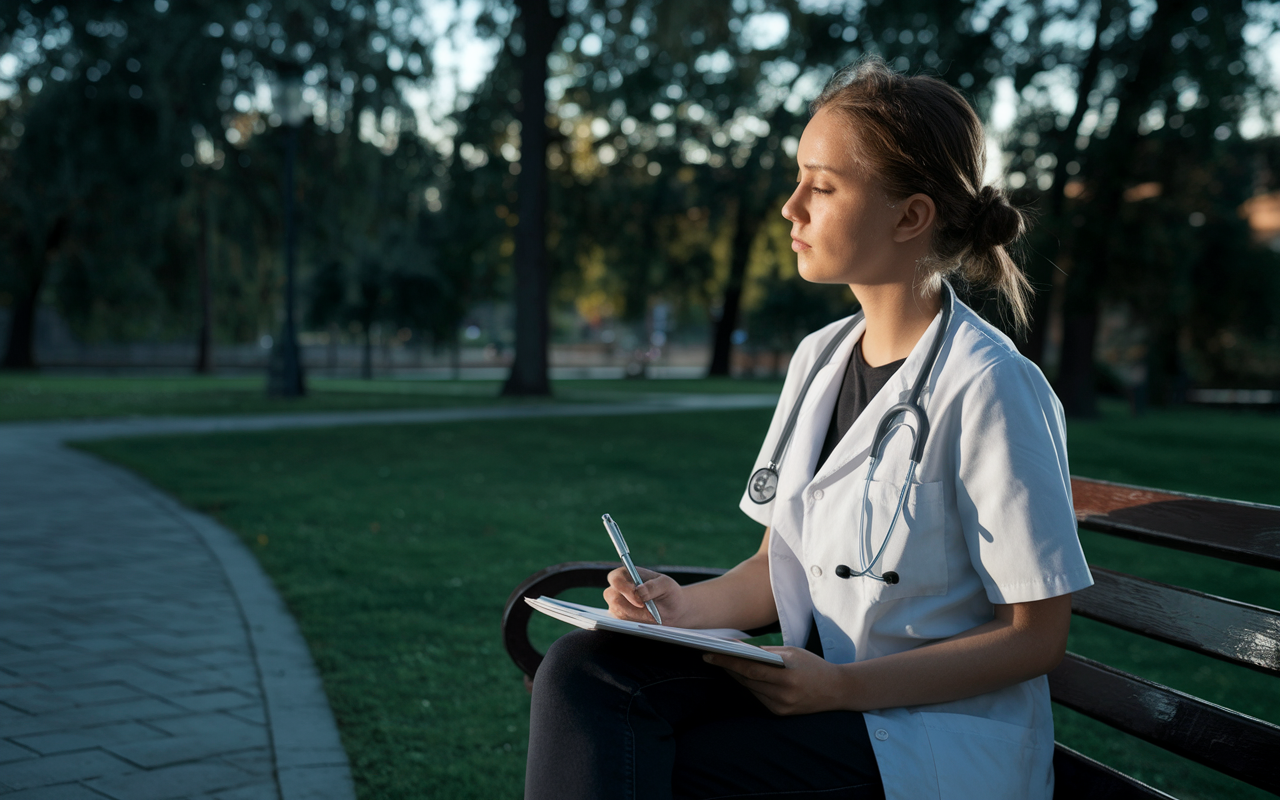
861 383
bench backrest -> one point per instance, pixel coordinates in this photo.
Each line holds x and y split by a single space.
1225 740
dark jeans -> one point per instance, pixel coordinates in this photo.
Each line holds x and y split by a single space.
615 717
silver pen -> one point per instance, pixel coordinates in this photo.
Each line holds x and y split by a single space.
620 545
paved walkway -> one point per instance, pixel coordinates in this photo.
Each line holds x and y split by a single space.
144 655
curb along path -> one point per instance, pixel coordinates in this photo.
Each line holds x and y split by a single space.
144 654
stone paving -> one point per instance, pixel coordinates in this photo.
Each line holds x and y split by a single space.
144 655
135 643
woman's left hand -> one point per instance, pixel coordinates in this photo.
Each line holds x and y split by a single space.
806 685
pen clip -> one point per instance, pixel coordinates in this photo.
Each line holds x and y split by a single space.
615 535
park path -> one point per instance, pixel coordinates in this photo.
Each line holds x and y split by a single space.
144 654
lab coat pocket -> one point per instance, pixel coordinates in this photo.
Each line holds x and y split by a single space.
916 551
979 757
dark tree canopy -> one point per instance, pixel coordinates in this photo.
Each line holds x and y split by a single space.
140 168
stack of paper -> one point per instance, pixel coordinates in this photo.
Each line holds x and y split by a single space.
718 640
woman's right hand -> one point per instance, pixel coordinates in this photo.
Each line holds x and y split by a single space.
626 600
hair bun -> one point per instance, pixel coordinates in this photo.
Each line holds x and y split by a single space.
995 222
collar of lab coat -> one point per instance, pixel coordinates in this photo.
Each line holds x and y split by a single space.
811 428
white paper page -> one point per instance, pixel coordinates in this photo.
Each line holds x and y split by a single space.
599 619
591 611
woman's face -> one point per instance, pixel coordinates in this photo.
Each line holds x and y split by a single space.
842 226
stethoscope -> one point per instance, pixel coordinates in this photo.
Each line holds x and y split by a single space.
764 482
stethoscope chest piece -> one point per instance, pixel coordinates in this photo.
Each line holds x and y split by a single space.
763 486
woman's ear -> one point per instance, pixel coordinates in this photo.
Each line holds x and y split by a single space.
915 217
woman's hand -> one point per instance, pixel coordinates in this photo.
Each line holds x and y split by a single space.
1024 641
740 598
807 685
626 600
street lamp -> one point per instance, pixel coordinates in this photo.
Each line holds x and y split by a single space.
284 371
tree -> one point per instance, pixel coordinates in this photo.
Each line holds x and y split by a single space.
686 82
135 100
379 265
528 376
1158 101
705 92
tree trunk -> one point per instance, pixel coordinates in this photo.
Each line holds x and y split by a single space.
39 252
722 337
366 355
1166 374
204 348
288 376
1033 346
1076 380
529 370
20 352
1088 278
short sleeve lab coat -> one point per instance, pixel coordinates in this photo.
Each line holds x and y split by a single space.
989 520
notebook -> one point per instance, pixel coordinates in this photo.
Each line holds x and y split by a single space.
716 640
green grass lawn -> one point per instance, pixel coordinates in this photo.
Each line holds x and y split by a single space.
43 397
395 548
46 397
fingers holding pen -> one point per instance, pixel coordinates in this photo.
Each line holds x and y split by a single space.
623 607
620 584
654 584
624 598
627 600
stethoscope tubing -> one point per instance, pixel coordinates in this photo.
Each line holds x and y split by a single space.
763 484
823 358
862 522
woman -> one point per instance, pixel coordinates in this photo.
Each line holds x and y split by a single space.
915 659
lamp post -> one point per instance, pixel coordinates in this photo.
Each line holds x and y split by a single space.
284 372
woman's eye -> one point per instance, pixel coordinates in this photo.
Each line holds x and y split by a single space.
823 191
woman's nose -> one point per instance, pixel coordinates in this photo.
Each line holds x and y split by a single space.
791 211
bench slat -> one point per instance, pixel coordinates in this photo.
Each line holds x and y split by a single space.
1216 626
1227 741
1248 533
1078 777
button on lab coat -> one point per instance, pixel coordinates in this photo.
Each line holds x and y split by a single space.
988 520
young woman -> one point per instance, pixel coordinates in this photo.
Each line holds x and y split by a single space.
920 546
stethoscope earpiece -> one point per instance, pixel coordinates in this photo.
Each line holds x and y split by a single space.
843 571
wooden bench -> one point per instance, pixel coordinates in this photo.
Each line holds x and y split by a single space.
1227 741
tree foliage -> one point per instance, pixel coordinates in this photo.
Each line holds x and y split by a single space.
132 116
138 131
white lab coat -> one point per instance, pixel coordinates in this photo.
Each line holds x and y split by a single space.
989 520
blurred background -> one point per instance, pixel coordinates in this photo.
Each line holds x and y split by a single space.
210 205
177 177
